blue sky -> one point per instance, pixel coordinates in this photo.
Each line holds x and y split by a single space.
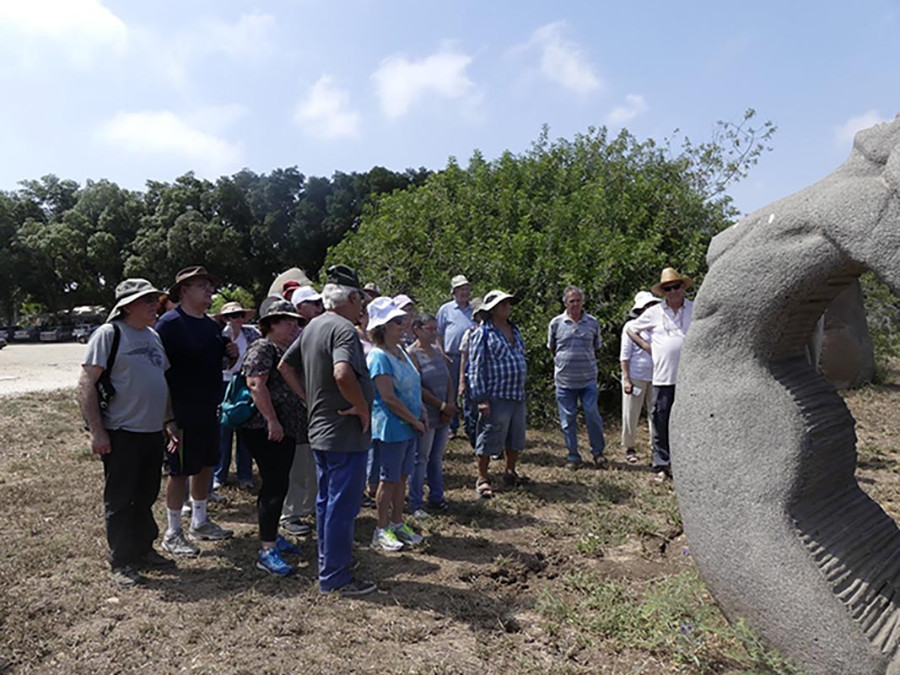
132 91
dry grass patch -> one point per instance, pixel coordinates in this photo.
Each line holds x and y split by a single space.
578 572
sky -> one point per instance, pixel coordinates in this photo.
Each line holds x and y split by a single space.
130 91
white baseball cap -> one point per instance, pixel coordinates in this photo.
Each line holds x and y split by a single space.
305 294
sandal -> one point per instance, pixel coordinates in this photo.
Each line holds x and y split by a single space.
483 489
515 480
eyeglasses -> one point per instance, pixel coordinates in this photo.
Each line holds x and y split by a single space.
673 287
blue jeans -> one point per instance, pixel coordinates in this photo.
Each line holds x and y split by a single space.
243 459
567 402
455 363
430 465
341 476
373 464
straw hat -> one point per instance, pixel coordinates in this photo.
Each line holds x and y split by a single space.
230 308
670 276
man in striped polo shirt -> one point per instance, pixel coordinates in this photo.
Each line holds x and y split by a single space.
573 338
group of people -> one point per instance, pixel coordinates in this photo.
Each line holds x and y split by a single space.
354 399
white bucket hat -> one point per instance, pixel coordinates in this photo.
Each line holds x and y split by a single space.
643 300
494 298
382 310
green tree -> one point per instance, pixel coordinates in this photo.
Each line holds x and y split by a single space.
606 214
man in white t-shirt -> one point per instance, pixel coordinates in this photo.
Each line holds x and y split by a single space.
668 324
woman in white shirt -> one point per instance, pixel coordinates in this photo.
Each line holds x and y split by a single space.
637 378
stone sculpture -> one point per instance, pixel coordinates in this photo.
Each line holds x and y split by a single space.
764 449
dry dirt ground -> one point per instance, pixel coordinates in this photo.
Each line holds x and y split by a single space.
579 572
39 366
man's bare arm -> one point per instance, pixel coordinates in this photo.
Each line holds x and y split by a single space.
90 408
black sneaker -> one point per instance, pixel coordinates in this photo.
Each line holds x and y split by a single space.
125 576
600 462
153 560
356 587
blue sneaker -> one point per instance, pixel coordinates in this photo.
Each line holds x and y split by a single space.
284 546
269 560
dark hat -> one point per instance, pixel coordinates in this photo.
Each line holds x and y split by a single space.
342 275
188 273
279 308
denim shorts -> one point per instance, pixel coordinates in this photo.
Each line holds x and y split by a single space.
397 458
504 428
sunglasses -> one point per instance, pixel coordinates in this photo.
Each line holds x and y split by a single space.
672 287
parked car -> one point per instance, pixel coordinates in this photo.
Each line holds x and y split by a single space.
6 332
2 342
56 334
26 334
83 331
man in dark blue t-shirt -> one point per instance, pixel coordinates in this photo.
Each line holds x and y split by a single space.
196 350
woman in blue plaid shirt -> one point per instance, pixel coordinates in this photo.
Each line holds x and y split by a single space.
496 382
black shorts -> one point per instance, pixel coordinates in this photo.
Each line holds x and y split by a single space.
199 448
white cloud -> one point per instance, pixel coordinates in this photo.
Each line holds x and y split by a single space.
326 111
162 133
634 105
249 39
844 133
400 83
563 61
79 28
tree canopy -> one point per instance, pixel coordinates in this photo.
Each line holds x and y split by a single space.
62 245
603 213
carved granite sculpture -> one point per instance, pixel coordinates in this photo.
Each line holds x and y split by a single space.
764 450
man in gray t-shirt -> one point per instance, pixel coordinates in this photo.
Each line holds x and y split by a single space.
128 433
339 398
328 341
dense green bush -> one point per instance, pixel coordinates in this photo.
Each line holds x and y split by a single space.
606 214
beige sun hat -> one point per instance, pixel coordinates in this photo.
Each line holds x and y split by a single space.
235 308
457 281
130 290
669 276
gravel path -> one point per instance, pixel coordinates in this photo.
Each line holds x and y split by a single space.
39 366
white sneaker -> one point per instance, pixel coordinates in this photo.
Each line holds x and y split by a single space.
406 534
421 514
386 539
216 498
186 508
